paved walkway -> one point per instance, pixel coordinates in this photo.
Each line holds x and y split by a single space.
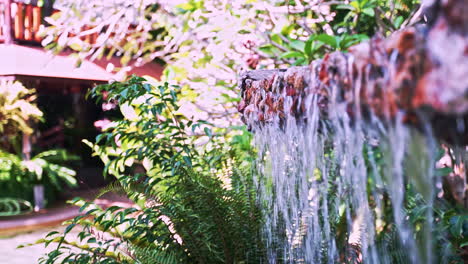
17 230
31 222
9 254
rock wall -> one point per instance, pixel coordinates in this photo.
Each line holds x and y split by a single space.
421 71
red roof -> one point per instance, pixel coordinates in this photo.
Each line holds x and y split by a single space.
34 61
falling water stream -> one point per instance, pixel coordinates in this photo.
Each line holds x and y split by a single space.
326 183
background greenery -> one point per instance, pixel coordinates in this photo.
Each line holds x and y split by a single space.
194 204
18 174
192 180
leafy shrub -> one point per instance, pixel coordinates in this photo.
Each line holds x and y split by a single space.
194 202
18 176
18 114
11 206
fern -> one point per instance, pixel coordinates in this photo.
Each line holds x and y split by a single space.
193 204
155 255
390 244
115 187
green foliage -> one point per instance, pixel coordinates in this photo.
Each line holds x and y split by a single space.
449 230
338 27
376 16
193 189
17 113
440 214
155 255
45 167
205 44
11 206
206 192
303 52
18 176
14 181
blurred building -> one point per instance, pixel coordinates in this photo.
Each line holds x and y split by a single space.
60 85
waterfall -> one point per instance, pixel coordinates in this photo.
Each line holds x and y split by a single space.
326 182
349 146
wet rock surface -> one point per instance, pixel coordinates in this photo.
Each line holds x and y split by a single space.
422 70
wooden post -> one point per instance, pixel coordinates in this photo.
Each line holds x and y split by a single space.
7 32
36 22
19 21
28 22
26 149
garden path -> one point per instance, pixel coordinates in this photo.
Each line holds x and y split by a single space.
9 254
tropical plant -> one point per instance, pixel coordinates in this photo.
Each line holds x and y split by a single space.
46 167
11 206
193 203
17 113
18 176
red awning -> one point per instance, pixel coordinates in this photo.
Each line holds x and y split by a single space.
33 61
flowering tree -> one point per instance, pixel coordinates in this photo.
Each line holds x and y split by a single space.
205 44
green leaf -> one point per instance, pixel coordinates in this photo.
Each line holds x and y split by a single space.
243 31
398 21
286 31
187 160
440 172
69 228
308 47
457 223
52 233
75 46
269 49
350 40
348 7
276 38
369 11
300 61
292 54
355 5
208 132
327 39
297 45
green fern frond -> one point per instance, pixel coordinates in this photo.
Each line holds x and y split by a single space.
155 256
115 187
390 243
